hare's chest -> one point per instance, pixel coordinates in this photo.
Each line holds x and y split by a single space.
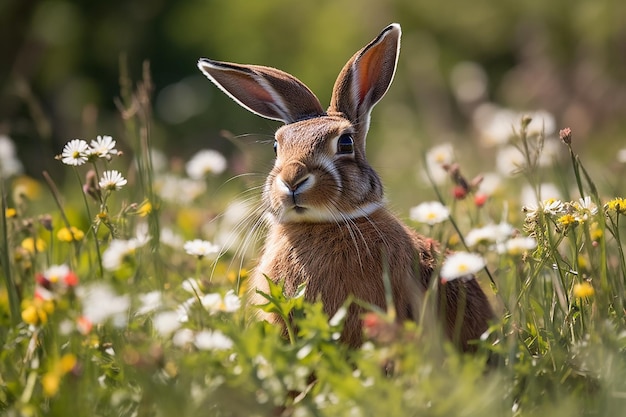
330 259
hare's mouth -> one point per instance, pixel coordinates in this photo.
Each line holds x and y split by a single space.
299 209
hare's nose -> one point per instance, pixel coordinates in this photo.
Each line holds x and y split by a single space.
295 178
297 184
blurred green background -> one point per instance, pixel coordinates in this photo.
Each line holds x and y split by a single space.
61 63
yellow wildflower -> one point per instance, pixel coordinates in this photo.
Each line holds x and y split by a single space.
567 220
144 209
617 205
583 290
34 245
10 213
36 311
70 234
595 232
51 381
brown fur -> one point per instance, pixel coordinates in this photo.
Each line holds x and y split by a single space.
328 226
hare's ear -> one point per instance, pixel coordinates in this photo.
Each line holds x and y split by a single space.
265 91
366 77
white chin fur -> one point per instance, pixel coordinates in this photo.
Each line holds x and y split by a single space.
316 215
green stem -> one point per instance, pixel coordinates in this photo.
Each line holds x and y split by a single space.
14 301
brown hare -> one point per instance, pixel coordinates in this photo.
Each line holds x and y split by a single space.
324 204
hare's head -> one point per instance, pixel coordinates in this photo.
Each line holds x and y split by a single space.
321 173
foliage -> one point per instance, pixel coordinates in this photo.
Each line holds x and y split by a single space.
105 311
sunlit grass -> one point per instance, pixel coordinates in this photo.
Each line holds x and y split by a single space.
117 299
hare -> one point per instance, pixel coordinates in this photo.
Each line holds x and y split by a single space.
324 204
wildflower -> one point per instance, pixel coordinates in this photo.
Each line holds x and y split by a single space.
509 160
231 302
191 285
103 147
595 232
70 234
567 220
541 122
166 323
438 157
459 192
59 275
495 124
212 340
33 245
112 180
200 248
101 303
183 337
480 199
75 152
461 264
490 184
582 209
179 190
431 213
480 235
214 302
150 302
205 162
84 325
530 197
10 213
117 252
490 233
9 163
37 310
144 209
51 380
566 135
583 290
518 246
618 205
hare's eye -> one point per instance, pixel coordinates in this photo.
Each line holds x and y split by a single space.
345 145
275 147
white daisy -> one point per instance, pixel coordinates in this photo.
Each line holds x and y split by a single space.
541 121
436 158
212 340
75 152
205 162
461 264
518 245
495 124
118 251
101 303
179 190
103 147
431 212
112 180
166 323
183 337
509 160
200 248
231 302
150 302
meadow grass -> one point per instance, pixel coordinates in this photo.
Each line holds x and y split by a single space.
106 311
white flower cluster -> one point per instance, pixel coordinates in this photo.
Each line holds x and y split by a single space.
77 152
500 237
